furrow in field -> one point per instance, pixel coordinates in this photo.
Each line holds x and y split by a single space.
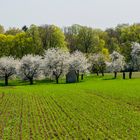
106 109
77 120
51 118
59 118
33 122
6 116
42 118
49 112
101 126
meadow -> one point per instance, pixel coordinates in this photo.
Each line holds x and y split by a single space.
98 108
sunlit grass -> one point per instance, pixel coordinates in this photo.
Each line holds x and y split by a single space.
96 108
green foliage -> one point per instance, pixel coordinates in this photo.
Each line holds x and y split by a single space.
75 37
6 45
2 29
2 44
36 44
13 31
52 37
22 45
71 34
122 37
84 38
87 40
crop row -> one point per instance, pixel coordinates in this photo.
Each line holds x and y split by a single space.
59 116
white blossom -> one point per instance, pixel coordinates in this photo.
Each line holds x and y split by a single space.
117 62
98 63
8 67
135 55
56 63
30 67
79 63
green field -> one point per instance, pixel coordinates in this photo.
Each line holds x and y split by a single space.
97 108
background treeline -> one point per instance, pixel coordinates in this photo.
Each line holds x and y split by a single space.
51 52
36 39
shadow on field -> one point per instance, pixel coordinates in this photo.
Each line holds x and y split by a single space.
13 83
108 79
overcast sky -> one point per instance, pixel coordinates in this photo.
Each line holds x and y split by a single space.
95 13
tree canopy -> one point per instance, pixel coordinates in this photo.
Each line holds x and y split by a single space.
36 39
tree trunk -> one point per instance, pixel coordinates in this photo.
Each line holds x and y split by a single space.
102 73
6 80
123 75
57 80
130 75
97 73
115 75
82 77
86 50
31 81
77 75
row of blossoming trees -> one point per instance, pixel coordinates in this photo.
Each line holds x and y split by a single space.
56 63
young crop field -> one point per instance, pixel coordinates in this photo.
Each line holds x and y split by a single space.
96 108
